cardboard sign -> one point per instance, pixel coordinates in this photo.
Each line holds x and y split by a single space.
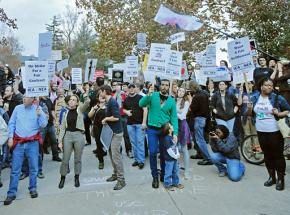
36 78
76 75
240 57
131 66
117 75
62 65
141 40
56 55
174 67
158 59
90 69
51 70
44 45
176 38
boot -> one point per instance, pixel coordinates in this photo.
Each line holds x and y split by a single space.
61 183
77 181
280 182
272 178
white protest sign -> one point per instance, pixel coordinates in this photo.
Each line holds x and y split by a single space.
110 73
122 67
240 57
200 78
23 76
132 66
36 78
209 57
44 46
62 65
76 75
215 73
51 70
56 55
174 66
158 59
141 40
176 38
198 57
90 69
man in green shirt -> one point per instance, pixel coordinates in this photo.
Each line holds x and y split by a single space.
162 109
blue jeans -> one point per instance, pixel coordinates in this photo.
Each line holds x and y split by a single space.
183 148
171 173
229 123
31 151
49 131
5 154
137 135
156 145
199 125
235 168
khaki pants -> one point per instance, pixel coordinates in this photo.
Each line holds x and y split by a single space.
249 127
116 156
73 141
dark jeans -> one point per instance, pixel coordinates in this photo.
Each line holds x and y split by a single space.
272 144
100 152
155 145
87 124
128 146
50 133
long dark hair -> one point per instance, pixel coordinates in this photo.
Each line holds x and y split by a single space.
224 130
10 73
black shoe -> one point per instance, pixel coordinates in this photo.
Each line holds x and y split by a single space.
77 181
33 194
95 151
23 176
272 178
9 200
280 182
61 183
204 162
58 159
162 178
120 184
87 144
112 178
155 183
196 157
141 165
135 163
40 175
46 152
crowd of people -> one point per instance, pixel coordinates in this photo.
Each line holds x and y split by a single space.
156 120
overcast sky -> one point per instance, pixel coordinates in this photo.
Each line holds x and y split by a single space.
32 15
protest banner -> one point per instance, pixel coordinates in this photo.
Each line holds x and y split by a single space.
98 73
23 77
200 78
90 69
141 40
131 66
56 55
121 67
240 57
51 69
174 66
76 75
118 75
36 78
198 57
158 59
44 45
176 38
166 16
215 73
62 65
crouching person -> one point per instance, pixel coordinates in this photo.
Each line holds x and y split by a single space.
226 151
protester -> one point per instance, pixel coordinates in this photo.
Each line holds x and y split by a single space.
97 114
24 139
113 119
71 139
262 71
266 106
171 155
5 156
226 151
58 104
184 138
282 75
53 92
11 99
136 125
161 109
9 76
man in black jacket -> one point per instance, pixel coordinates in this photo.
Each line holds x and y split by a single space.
11 98
199 111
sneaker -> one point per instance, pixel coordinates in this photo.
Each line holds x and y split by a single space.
169 188
112 178
141 165
40 175
179 186
101 165
95 151
135 163
222 174
204 162
23 176
9 200
33 194
120 185
58 159
196 157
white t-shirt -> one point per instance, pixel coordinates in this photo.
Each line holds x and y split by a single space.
265 120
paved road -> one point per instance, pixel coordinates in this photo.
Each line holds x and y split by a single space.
205 193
